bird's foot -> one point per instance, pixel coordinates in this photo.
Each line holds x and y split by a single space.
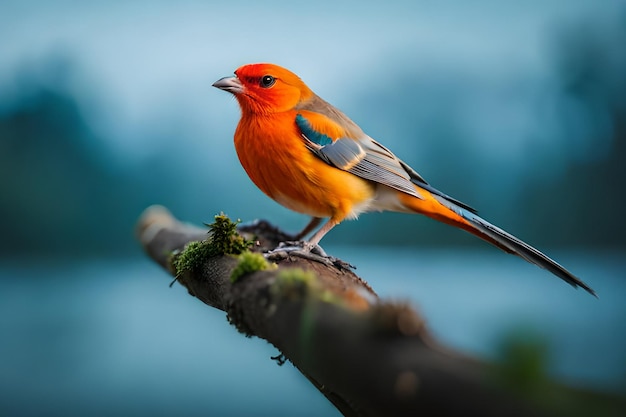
300 248
306 250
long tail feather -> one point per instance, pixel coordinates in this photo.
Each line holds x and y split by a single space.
509 243
439 206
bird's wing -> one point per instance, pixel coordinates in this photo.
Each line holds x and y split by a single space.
368 159
363 157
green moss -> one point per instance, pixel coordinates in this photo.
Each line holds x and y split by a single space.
192 257
294 277
330 297
224 237
223 240
524 361
250 262
293 283
300 286
295 280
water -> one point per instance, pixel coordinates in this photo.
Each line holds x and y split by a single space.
474 299
111 338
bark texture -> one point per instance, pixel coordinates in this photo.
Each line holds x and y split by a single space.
369 357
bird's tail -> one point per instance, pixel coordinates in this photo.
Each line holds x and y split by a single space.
447 210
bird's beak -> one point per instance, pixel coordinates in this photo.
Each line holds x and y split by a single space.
230 84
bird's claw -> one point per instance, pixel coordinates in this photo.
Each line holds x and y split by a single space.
305 250
301 246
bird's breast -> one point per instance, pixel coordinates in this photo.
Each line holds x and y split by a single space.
273 154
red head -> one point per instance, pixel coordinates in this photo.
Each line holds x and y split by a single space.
265 88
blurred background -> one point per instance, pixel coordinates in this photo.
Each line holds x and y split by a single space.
107 107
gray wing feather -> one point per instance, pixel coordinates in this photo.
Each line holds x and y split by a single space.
343 153
367 159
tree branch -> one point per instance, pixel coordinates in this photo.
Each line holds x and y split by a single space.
368 357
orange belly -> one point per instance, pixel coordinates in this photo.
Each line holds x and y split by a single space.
275 158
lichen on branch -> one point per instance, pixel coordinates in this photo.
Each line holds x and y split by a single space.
222 239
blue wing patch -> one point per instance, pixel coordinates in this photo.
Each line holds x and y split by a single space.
311 134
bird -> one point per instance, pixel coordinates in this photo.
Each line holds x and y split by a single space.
308 156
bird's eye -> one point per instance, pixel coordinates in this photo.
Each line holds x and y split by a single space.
267 81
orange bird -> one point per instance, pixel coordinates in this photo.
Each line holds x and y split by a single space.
311 158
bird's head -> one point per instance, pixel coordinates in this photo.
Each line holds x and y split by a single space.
265 88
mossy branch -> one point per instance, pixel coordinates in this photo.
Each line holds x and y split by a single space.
368 357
